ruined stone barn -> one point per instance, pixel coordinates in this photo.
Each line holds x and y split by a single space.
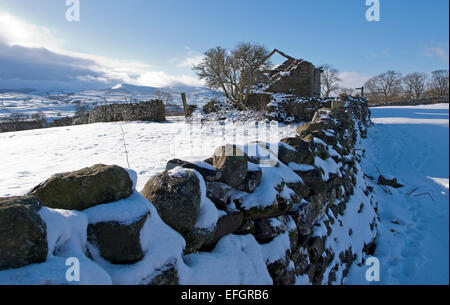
295 81
294 76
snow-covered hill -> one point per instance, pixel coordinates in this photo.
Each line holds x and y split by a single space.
57 104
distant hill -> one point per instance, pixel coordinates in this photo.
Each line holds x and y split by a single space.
56 104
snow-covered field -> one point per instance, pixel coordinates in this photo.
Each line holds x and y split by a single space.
30 157
412 144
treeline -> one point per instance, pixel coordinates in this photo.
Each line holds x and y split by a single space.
393 86
20 121
390 86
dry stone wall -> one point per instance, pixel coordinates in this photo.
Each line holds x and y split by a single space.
310 215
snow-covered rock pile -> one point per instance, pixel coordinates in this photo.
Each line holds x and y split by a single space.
300 212
288 108
220 110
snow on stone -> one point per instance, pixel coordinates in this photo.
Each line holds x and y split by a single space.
300 167
236 260
125 211
276 249
265 195
66 236
209 214
328 166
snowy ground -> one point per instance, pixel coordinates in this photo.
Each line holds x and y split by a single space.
412 144
30 157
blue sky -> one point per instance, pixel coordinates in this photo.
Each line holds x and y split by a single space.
154 41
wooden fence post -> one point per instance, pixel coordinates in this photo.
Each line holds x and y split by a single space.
185 105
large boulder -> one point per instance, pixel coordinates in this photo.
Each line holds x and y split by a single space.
118 243
233 163
85 188
208 172
176 195
23 236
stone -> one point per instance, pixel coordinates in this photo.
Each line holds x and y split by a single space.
23 236
304 148
316 248
118 243
85 188
253 179
286 278
233 163
318 206
176 197
247 227
268 228
218 192
389 182
288 154
301 261
299 188
226 225
208 172
278 268
307 128
313 179
167 276
329 139
197 238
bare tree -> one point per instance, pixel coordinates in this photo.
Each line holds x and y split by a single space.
414 84
386 85
234 72
163 96
81 110
329 80
346 91
439 83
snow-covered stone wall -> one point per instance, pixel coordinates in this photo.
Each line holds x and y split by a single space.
251 214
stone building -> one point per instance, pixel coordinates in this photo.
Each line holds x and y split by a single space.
295 76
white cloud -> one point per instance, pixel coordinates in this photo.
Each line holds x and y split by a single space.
351 79
17 32
439 50
191 61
